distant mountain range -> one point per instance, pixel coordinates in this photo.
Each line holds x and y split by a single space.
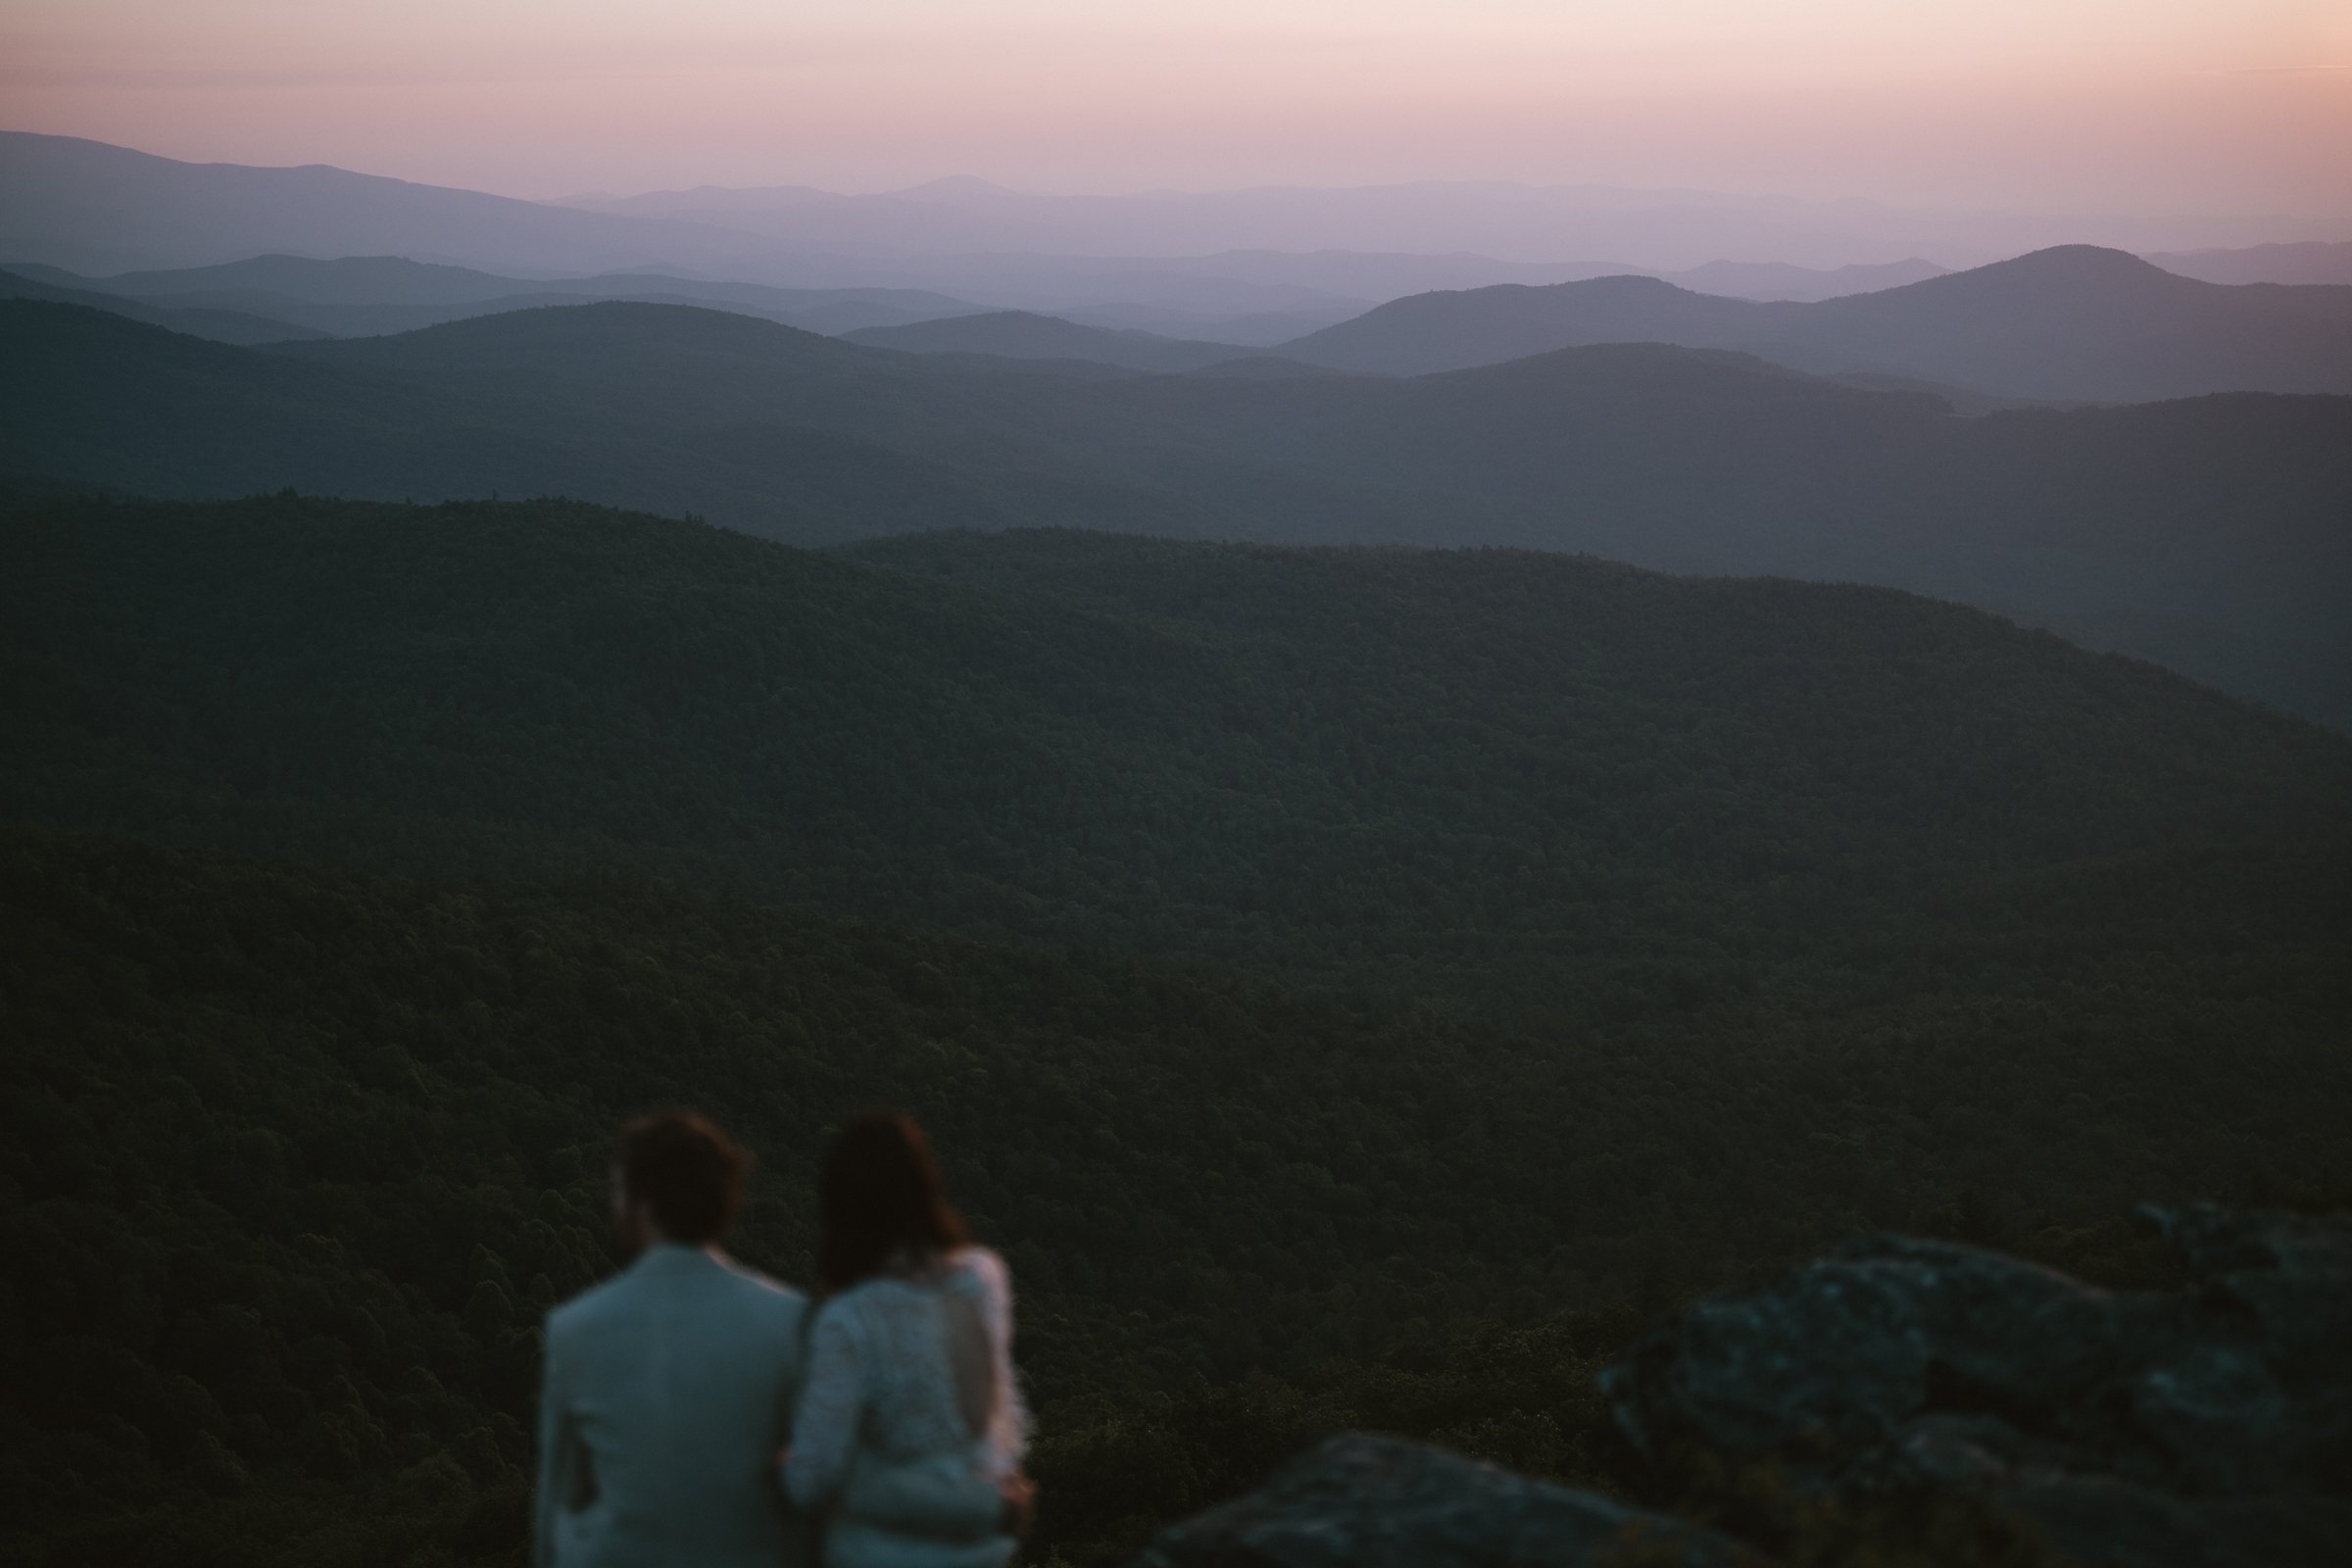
272 297
2206 533
207 321
1263 297
1256 268
2069 322
2308 262
266 298
98 209
2068 325
1514 223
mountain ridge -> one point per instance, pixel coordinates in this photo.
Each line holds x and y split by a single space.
2073 322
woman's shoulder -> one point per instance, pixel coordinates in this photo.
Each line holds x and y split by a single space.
979 1263
976 1270
979 1272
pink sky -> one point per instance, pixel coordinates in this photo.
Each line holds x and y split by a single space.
2189 106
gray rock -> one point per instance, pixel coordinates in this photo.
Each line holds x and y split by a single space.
2207 1427
1361 1501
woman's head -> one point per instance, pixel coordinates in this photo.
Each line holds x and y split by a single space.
879 1195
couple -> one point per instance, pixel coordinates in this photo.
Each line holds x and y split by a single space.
694 1412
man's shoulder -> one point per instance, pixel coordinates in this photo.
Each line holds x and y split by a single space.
763 1292
633 1291
596 1301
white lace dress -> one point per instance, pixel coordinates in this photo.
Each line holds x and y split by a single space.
881 1390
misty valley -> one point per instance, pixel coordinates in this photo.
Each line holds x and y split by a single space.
1411 823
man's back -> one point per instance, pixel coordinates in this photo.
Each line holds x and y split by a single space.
668 1396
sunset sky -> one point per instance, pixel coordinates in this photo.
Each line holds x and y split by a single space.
2149 105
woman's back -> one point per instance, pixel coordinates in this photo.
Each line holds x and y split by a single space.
905 1367
909 1411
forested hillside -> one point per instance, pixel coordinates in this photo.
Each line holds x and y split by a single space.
1531 784
2206 533
1370 978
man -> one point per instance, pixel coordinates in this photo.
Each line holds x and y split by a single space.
668 1389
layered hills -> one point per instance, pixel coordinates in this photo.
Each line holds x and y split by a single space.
481 407
1248 266
221 325
366 296
2206 533
2071 322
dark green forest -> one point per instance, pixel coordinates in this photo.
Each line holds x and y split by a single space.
1354 986
302 1155
1531 784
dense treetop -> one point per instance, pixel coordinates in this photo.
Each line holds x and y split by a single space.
295 1158
1517 781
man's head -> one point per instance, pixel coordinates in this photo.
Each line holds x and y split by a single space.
678 1178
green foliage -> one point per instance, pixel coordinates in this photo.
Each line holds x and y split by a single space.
295 1159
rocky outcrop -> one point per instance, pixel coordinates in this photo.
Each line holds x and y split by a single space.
2211 1426
1906 1400
1360 1501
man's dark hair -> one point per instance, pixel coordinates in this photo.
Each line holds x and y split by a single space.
685 1171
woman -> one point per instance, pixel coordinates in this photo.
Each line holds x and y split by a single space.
910 1359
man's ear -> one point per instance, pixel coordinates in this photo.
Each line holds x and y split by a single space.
633 1228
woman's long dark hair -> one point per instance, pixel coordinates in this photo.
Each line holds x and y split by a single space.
879 1195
